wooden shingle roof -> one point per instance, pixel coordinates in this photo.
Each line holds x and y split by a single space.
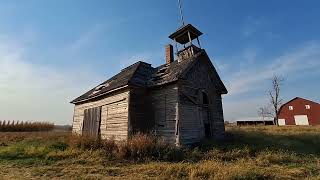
144 75
119 80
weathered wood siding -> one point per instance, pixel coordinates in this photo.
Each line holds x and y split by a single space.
191 125
192 112
114 115
165 109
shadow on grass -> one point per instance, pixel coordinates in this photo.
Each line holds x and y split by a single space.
302 143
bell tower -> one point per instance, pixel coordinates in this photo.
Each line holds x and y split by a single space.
185 37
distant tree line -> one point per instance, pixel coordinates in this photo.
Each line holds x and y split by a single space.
20 126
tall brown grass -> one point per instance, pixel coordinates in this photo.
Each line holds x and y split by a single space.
20 126
246 153
139 147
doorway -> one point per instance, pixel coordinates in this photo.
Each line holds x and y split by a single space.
281 122
301 120
205 115
207 130
92 122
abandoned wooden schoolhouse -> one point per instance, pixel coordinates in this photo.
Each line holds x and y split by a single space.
179 101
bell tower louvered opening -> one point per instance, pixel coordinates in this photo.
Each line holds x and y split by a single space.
184 39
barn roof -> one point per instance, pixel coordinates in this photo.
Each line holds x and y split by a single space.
144 75
296 98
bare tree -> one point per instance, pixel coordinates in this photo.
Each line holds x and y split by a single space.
274 95
265 112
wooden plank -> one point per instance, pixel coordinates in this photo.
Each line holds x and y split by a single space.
165 104
117 102
91 122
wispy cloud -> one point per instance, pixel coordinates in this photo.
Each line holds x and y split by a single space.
87 37
221 66
130 59
242 108
252 25
248 79
153 57
94 32
42 92
31 91
242 84
250 55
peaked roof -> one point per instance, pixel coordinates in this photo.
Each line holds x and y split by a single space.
296 98
144 75
117 81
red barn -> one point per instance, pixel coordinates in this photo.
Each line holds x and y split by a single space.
299 111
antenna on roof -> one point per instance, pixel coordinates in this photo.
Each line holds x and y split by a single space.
181 14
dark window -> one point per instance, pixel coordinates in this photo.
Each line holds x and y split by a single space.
207 130
205 99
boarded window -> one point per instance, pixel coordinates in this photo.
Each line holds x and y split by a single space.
91 122
160 113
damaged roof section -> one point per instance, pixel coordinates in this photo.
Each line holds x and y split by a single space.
119 80
142 74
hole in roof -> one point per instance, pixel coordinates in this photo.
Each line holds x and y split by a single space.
94 92
161 71
100 87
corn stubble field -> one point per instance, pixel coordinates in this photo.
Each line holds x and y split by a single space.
20 126
247 153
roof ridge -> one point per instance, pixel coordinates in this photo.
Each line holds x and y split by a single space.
295 99
129 66
89 95
135 71
193 58
143 74
306 100
144 62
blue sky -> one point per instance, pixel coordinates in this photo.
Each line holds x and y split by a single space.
53 51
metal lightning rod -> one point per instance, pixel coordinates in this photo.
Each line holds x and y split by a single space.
181 14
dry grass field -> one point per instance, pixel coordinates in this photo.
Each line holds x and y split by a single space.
247 153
